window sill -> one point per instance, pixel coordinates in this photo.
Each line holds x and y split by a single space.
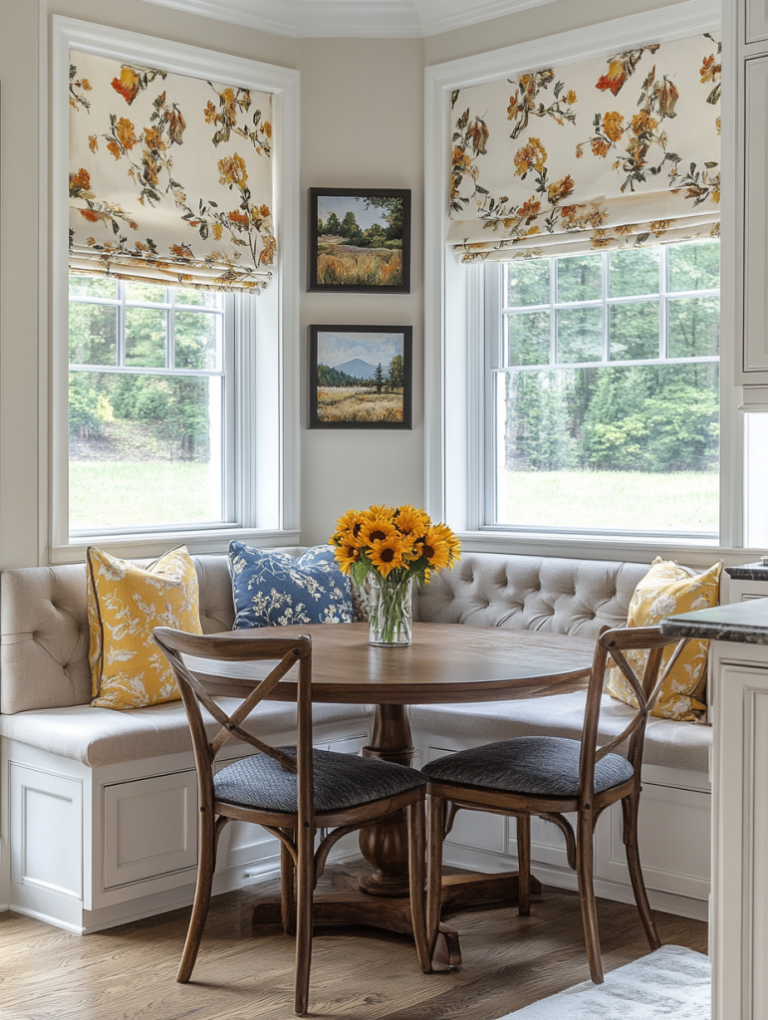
139 546
638 549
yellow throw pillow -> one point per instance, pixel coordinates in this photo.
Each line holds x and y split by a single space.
125 604
666 590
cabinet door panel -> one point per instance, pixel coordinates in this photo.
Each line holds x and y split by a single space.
150 828
757 20
756 217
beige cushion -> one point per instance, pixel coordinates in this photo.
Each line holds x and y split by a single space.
554 595
100 736
675 745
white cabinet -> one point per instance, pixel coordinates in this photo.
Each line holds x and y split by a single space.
755 356
744 292
739 937
757 21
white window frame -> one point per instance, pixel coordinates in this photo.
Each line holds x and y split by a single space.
265 501
455 310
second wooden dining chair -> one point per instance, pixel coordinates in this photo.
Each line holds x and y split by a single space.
291 791
548 777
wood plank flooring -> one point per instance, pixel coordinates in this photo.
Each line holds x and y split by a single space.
128 973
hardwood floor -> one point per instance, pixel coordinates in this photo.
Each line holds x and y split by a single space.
128 973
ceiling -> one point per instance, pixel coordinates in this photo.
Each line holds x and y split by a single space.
358 19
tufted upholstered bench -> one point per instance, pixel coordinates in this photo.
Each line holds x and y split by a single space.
100 824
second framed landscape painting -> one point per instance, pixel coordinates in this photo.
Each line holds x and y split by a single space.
360 377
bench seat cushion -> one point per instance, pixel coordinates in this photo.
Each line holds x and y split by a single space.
668 744
101 736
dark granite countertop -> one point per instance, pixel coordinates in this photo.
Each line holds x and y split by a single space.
749 572
746 622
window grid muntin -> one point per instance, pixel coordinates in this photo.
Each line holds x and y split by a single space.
663 296
170 306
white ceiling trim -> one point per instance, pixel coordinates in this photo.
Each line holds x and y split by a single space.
355 19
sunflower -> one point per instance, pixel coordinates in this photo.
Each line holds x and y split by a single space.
386 554
445 534
409 520
375 530
379 510
435 548
346 555
348 529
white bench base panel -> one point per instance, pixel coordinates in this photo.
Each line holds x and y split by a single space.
91 848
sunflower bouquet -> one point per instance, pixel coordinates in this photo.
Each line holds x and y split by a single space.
389 547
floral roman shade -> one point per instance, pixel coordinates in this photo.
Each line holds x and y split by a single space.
607 153
170 177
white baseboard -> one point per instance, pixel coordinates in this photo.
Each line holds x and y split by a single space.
56 922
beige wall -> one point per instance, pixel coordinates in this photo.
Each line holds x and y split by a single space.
362 117
362 126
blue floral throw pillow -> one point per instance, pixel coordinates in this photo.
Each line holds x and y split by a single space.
276 589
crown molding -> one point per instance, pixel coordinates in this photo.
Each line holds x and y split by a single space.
374 19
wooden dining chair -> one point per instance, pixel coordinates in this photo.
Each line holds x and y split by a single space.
548 777
291 791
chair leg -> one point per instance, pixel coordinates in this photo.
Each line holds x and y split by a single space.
416 851
305 880
209 833
524 864
630 807
288 886
436 815
585 853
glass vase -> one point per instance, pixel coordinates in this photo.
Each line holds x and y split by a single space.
391 611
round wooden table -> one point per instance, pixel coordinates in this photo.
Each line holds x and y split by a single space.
447 663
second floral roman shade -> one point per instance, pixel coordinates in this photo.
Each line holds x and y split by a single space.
608 153
170 177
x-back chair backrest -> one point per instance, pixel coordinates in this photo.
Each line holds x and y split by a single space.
610 647
198 689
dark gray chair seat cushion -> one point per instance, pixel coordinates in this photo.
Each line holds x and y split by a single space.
540 766
341 781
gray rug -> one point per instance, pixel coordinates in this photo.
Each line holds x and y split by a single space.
672 983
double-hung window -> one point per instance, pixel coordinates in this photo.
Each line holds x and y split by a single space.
602 391
173 395
572 317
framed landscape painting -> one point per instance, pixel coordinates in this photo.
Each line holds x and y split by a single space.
359 240
360 377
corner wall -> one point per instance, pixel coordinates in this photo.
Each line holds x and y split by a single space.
362 126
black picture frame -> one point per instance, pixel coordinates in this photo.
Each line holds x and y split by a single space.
368 259
355 342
